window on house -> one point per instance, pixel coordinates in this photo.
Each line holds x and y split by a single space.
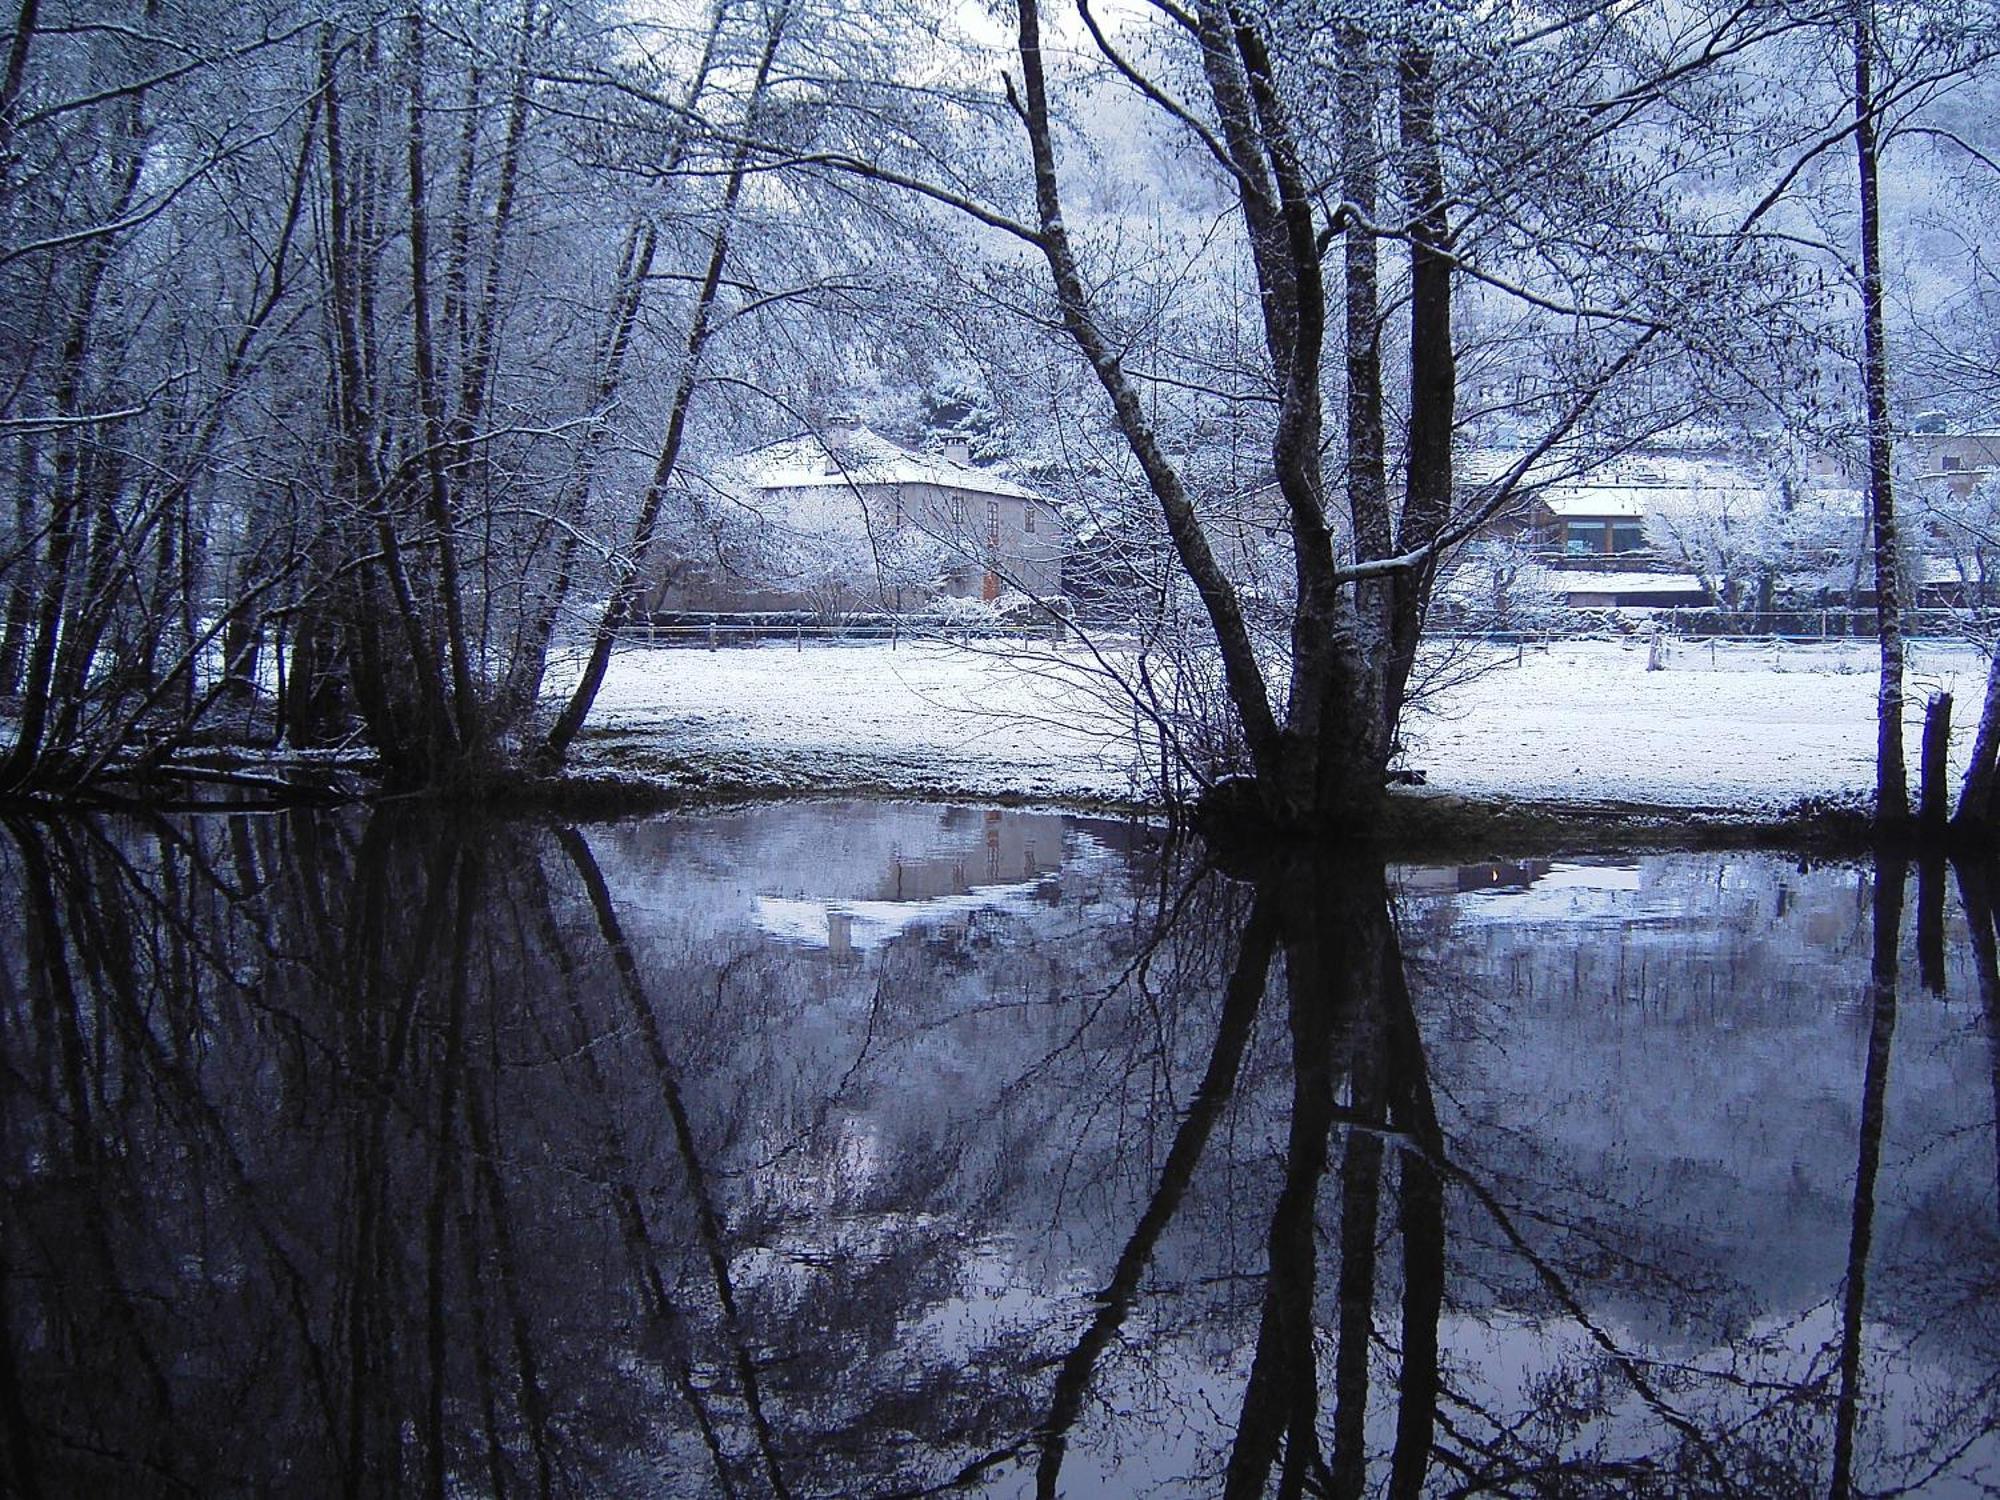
1951 463
1628 536
1584 538
958 510
992 523
1028 517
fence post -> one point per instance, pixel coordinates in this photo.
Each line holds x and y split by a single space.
711 635
1932 797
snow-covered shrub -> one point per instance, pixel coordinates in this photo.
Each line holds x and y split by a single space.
1498 584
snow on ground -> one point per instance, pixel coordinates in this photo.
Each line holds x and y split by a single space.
923 717
1733 726
1750 725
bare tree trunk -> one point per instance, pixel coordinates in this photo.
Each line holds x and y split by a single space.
1975 794
1934 801
444 523
25 21
1433 364
1888 916
38 698
20 593
350 297
531 653
478 366
1242 676
1375 599
632 571
1892 793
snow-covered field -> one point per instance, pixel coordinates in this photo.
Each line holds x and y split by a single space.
921 717
1749 727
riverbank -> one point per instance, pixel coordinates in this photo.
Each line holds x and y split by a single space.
1728 735
1574 745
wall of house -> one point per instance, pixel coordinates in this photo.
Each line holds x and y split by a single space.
1960 459
983 539
870 546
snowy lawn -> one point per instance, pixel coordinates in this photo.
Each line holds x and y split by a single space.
922 717
1749 727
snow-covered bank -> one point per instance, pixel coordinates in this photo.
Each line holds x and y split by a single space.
919 717
1750 728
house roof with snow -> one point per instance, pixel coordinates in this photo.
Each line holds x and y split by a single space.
1591 500
1631 486
1643 484
847 457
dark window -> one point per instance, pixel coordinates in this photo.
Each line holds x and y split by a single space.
1628 536
1028 517
1583 538
992 523
1951 463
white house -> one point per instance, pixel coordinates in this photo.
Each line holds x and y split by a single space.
846 519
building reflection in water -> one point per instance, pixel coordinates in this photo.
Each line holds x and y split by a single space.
935 871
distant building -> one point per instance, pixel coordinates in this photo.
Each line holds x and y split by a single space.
846 519
1687 521
1606 512
1957 459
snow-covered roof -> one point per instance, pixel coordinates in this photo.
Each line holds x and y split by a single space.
861 457
1647 482
1943 570
1644 484
1625 583
1610 503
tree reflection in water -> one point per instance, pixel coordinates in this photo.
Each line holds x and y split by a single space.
873 1151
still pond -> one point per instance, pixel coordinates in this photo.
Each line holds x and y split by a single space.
885 1149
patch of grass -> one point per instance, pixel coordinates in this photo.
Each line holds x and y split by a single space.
1431 823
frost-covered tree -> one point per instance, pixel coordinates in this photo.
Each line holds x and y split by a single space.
334 337
1381 183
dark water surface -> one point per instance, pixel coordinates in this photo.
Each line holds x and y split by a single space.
886 1149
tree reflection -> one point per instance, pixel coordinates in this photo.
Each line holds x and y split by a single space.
1352 1031
401 1154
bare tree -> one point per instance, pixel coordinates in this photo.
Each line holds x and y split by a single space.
1484 177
